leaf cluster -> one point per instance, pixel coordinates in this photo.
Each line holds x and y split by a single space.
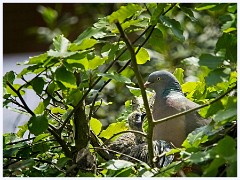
80 83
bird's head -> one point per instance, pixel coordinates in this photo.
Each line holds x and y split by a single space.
160 81
135 120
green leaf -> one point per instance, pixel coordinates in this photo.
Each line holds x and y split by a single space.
90 32
117 164
134 91
156 39
174 25
226 148
41 147
113 129
37 124
38 84
40 137
57 110
142 56
22 130
95 125
58 54
8 77
157 12
63 161
124 12
217 76
60 43
230 49
85 44
38 59
16 86
74 96
96 62
40 108
200 157
205 6
178 73
211 110
77 61
65 77
188 13
212 169
210 61
225 115
116 77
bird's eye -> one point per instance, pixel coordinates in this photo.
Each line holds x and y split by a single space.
158 78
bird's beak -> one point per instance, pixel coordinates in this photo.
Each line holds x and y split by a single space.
146 84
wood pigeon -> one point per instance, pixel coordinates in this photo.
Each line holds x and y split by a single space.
170 100
126 141
140 149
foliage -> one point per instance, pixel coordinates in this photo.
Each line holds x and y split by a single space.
77 82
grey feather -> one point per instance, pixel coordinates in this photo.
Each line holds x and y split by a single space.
170 100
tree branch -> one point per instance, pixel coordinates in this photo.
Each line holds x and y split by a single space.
144 96
21 99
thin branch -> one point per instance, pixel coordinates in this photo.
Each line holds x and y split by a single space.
65 148
144 96
122 132
24 140
194 109
36 159
21 99
116 152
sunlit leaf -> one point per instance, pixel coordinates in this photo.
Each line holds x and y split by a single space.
38 59
22 130
16 87
142 56
178 73
124 12
41 137
85 44
56 110
96 62
40 108
205 6
95 125
113 129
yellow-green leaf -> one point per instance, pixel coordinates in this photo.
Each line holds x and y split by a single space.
95 125
142 56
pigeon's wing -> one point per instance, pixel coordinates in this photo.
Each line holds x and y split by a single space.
181 103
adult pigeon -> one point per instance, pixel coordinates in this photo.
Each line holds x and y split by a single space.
170 100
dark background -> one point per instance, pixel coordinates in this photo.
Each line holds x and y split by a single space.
20 18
